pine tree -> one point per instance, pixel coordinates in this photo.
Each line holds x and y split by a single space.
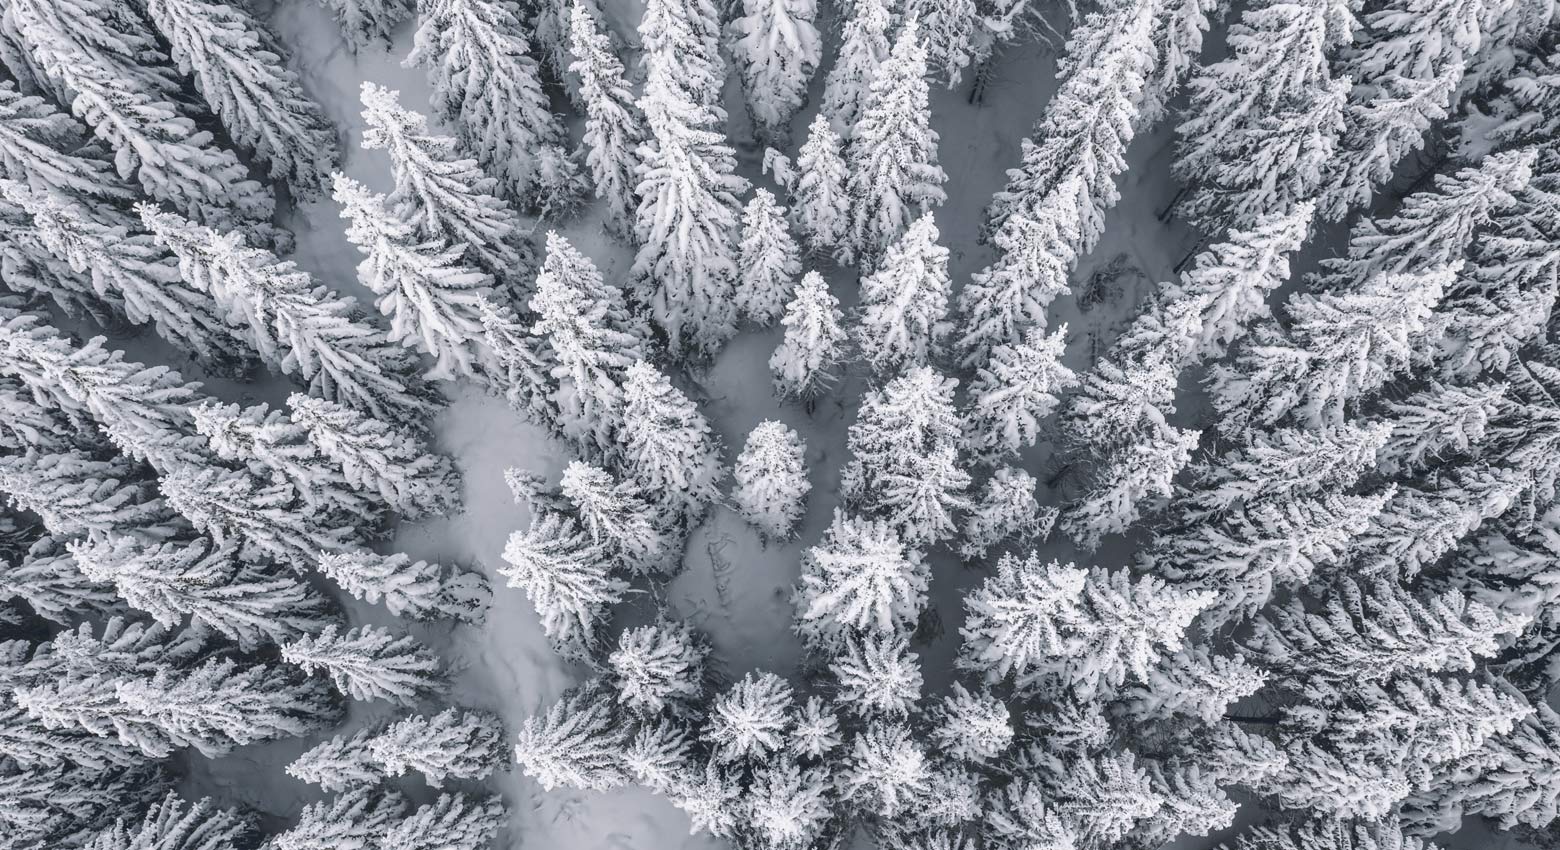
864 47
31 269
1422 523
658 755
1006 510
905 302
268 444
67 805
659 668
360 818
440 195
429 294
298 326
804 363
1010 296
820 205
1195 683
668 446
49 579
519 370
687 215
74 494
339 764
417 590
1438 422
973 728
238 69
614 127
1371 629
748 721
788 805
771 479
565 575
452 822
33 745
618 517
815 731
487 86
1511 782
220 705
954 34
1135 479
575 744
376 458
893 152
777 49
877 677
49 151
1016 390
131 270
1342 835
451 744
366 23
1279 465
886 771
248 604
710 798
859 579
110 67
174 823
369 663
265 519
768 257
591 337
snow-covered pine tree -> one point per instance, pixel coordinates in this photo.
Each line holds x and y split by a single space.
377 458
1342 835
592 338
1280 465
1006 510
249 604
659 668
425 288
110 67
566 576
576 744
1014 392
771 479
893 152
886 771
668 446
1371 629
903 465
820 204
297 325
1409 62
863 48
31 269
271 446
1010 296
368 23
451 822
1194 683
73 494
788 804
1070 164
1264 121
130 270
369 663
221 705
1424 521
905 302
172 822
49 151
809 354
1134 479
441 195
614 127
1436 423
1511 781
659 755
776 48
488 87
359 818
619 517
769 259
339 763
48 578
971 727
267 520
748 721
519 371
1340 347
417 590
860 579
877 676
238 68
454 744
98 799
688 210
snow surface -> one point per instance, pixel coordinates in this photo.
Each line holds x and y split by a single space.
734 587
